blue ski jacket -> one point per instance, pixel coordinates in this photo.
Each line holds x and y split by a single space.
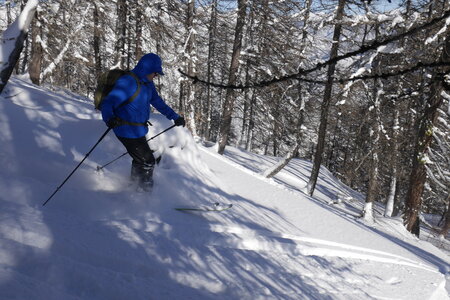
137 111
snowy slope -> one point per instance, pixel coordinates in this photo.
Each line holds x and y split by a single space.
99 239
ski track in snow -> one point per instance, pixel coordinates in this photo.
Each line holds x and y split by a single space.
295 244
240 238
205 234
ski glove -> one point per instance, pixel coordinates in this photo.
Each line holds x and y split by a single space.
180 122
113 122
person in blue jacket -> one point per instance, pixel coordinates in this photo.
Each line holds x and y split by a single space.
129 120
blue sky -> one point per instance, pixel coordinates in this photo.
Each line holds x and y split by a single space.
384 5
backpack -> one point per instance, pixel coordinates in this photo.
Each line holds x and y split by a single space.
105 84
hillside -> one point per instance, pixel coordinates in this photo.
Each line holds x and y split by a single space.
99 239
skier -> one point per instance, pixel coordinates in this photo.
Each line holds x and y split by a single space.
129 122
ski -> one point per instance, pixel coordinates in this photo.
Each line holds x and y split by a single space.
215 207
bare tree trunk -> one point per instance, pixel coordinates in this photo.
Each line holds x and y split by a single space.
96 42
251 60
35 66
251 123
25 58
427 122
211 53
121 31
181 104
190 51
258 13
275 114
372 191
326 101
391 205
138 53
272 171
24 49
8 59
393 185
247 105
228 106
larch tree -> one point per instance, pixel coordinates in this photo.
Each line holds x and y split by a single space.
228 106
427 123
300 101
318 155
212 40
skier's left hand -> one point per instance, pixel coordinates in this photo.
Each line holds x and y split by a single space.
180 122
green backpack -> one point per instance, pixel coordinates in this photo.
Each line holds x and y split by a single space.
105 84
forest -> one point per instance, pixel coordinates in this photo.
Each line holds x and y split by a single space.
358 86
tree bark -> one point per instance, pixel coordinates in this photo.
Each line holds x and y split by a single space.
138 53
427 122
96 42
211 52
372 190
121 31
190 52
228 106
272 171
258 13
389 210
35 66
326 101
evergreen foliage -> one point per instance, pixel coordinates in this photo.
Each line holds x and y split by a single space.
386 68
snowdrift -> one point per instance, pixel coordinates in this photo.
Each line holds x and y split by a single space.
100 239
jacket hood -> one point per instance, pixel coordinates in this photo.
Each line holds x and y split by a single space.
149 63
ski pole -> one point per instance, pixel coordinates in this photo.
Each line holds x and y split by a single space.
99 168
67 178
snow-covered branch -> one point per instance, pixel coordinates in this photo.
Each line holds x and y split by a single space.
12 41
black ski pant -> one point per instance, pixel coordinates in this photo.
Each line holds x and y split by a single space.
143 160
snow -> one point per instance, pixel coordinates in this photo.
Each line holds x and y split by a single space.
436 36
10 35
99 239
